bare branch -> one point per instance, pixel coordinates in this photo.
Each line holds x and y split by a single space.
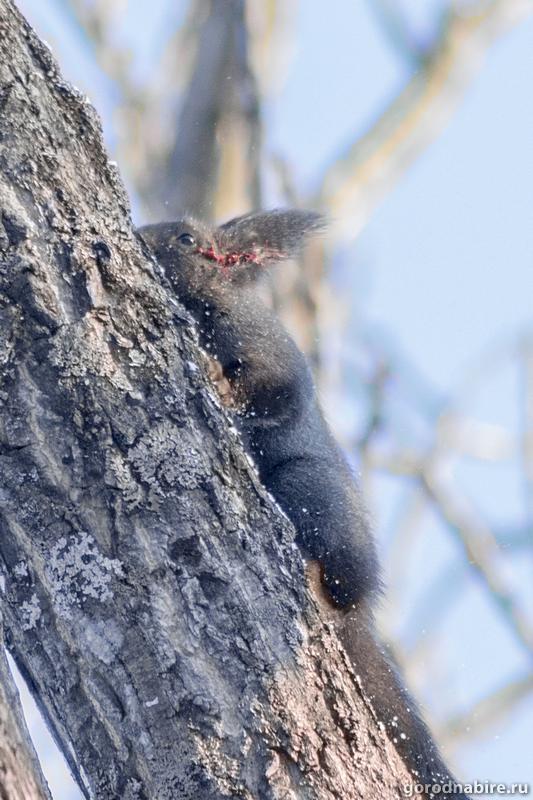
95 19
487 712
395 24
358 179
481 552
526 364
220 106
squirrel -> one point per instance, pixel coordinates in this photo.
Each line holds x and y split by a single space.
214 272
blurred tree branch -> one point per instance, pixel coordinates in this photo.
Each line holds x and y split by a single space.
481 552
480 545
395 24
217 124
487 712
526 362
358 178
96 21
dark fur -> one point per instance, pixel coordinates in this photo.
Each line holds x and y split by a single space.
285 432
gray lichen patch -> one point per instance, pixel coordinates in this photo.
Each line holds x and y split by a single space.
167 456
20 570
136 357
30 613
76 360
118 475
77 570
11 322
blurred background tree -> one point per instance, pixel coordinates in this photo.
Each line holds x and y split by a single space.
408 124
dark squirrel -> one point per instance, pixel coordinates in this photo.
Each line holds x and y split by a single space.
214 272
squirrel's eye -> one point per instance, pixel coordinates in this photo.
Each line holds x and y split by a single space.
187 239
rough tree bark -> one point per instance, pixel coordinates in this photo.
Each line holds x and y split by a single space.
151 593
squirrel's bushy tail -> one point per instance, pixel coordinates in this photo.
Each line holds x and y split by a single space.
392 703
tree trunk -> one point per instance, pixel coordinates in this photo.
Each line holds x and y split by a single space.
152 596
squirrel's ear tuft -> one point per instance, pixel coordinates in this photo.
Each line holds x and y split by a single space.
264 237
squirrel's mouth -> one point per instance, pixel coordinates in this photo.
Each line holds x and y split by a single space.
227 260
238 258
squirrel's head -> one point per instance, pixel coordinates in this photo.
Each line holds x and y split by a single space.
199 260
